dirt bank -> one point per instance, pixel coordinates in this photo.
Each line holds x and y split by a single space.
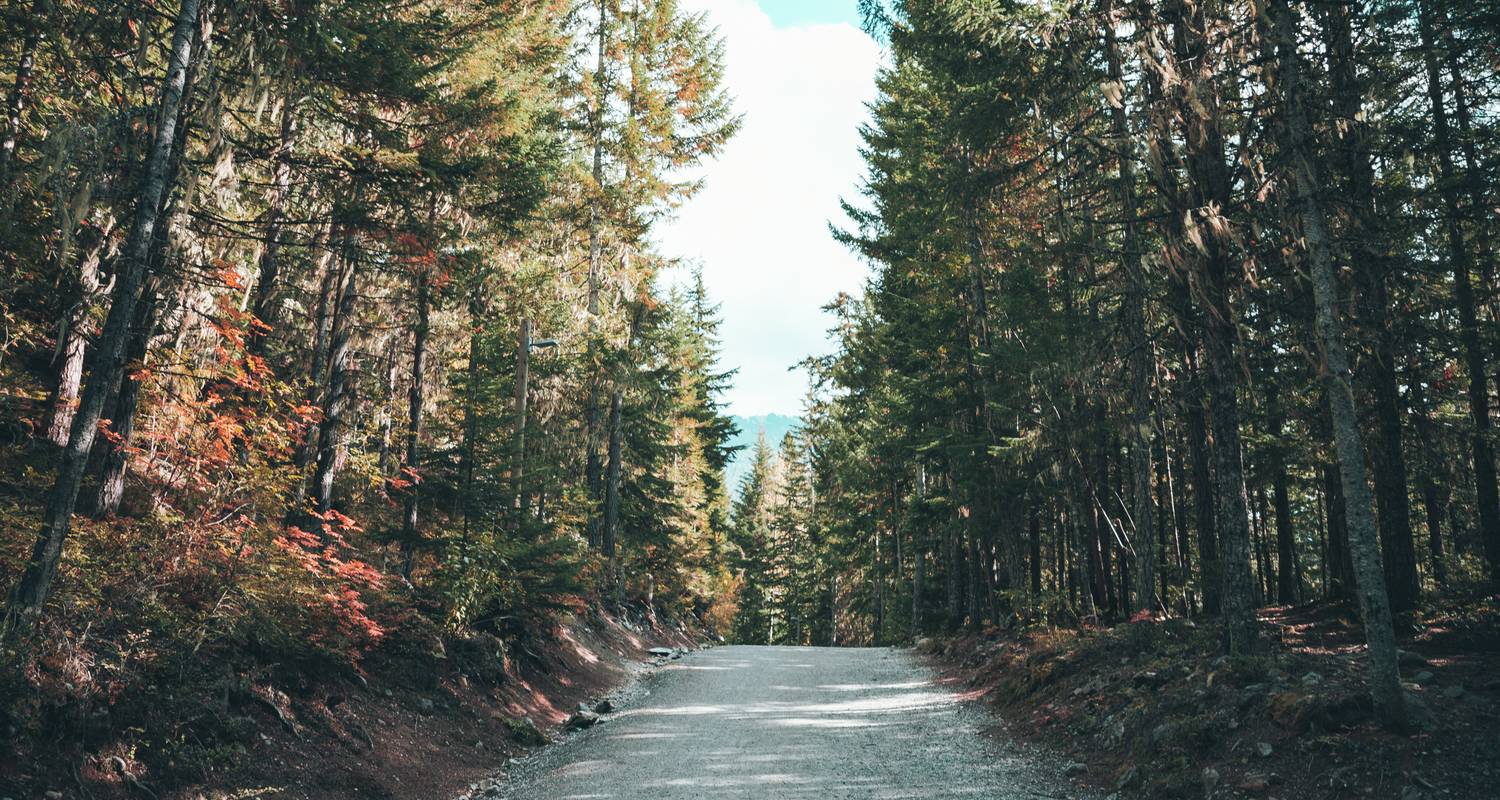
427 715
1150 709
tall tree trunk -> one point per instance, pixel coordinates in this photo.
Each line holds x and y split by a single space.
523 379
471 416
1198 105
15 101
1385 677
1486 493
1034 541
1378 373
1286 540
411 467
1433 495
593 468
263 303
115 460
612 493
340 395
918 577
1286 535
1134 312
109 359
162 283
331 277
73 343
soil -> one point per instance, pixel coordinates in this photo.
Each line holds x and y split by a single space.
429 717
1149 710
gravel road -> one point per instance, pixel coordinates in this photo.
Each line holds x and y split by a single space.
788 722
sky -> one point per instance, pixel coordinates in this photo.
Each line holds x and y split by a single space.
801 72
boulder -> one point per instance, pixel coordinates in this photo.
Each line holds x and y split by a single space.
1406 658
1075 768
525 732
582 720
605 706
1420 714
660 652
1210 779
1129 779
1255 784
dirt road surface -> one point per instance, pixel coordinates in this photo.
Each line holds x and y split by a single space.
789 722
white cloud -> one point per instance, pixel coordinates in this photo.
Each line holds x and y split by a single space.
760 224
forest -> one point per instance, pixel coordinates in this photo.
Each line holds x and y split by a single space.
324 322
1178 309
337 335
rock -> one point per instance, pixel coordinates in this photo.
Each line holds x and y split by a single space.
53 794
1164 732
1412 793
1423 678
661 652
388 693
1255 784
1150 679
677 652
1420 714
924 645
426 706
525 732
1264 749
581 720
1251 695
1210 778
1075 768
1453 692
1129 779
605 706
1406 658
1312 679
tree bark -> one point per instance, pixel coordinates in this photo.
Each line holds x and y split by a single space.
612 492
1140 343
1198 105
1286 540
1385 677
1034 540
116 456
1378 375
263 303
15 101
1434 496
74 344
340 395
918 577
109 361
593 469
416 399
523 377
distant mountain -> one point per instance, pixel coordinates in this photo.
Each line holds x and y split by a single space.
775 426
